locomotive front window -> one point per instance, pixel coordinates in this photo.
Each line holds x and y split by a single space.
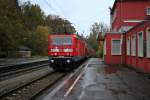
62 41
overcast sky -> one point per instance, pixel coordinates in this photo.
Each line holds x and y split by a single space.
81 13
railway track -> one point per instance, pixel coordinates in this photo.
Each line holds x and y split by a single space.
28 89
31 89
15 70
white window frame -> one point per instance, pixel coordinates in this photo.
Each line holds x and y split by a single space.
112 47
104 47
140 47
147 11
133 45
148 42
128 46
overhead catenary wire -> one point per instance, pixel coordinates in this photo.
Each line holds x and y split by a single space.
51 7
60 12
60 9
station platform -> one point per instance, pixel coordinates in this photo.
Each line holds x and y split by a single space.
104 82
16 61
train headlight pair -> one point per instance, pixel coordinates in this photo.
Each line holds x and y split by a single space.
68 50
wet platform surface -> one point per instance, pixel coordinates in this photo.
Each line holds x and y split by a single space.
105 82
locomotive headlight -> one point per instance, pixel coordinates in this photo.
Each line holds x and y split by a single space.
68 61
52 61
68 50
55 50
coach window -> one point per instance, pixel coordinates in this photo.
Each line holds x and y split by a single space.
148 43
116 47
140 44
133 45
148 10
128 46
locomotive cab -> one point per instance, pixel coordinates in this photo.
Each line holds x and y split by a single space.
66 51
61 51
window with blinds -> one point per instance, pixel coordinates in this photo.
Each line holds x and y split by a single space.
116 47
148 10
128 46
133 45
140 44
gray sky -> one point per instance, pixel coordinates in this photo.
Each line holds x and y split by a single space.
82 13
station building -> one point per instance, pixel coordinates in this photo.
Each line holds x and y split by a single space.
128 41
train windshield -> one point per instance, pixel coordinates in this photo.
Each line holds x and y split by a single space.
61 41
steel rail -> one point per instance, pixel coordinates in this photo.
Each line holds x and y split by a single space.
16 94
20 68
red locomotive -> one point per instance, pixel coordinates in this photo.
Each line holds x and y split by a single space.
66 51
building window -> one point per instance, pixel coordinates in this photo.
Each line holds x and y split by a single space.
148 43
140 44
104 47
128 46
116 47
148 10
133 45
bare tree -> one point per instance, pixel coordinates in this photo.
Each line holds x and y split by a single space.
95 30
